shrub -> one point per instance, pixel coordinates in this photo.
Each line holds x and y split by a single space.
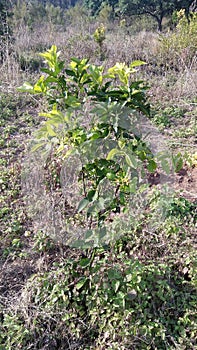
179 47
107 147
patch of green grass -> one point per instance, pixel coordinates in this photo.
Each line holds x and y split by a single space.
167 116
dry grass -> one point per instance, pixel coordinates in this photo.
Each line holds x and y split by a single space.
75 38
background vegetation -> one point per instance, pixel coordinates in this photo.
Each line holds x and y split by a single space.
135 292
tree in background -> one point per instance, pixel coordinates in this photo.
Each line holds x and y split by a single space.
61 3
33 12
158 9
94 6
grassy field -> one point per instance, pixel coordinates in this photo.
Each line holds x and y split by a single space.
139 291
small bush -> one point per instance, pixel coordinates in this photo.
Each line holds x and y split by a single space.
178 48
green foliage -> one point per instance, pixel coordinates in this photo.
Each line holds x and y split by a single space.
113 112
99 34
27 14
99 37
97 6
180 45
93 6
83 81
193 159
109 147
106 13
42 242
165 117
182 208
157 9
104 299
34 12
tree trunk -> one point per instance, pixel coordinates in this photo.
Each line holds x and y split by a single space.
160 24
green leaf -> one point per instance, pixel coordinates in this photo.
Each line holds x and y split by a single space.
114 274
76 60
81 283
115 285
131 160
83 204
101 203
111 176
165 165
177 162
73 102
78 244
66 317
51 131
88 234
26 87
95 135
48 71
51 57
84 262
38 145
133 185
137 63
91 195
119 301
40 86
152 166
51 80
112 153
56 117
102 232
